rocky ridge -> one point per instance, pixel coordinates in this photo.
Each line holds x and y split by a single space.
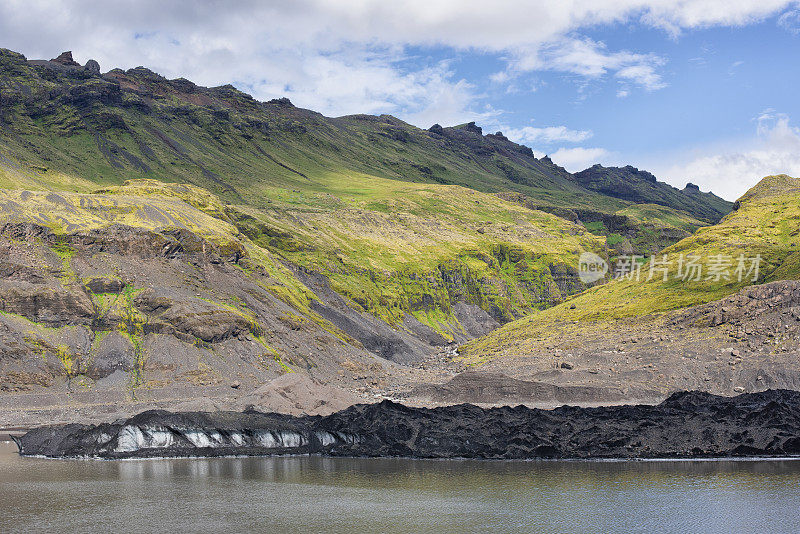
632 184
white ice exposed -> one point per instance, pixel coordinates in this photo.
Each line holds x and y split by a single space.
325 438
132 438
199 438
237 439
279 439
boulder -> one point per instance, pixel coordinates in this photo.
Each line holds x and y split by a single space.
92 66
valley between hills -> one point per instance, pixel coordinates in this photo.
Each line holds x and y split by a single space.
167 245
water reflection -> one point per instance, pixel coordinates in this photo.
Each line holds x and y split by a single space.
392 495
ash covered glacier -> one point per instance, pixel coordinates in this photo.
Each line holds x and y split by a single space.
686 425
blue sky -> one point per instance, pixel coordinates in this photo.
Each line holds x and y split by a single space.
718 85
693 90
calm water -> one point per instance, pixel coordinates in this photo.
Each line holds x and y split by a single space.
352 495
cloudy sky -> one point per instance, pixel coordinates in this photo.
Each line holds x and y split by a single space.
693 90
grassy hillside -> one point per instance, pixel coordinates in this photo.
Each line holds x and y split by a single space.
641 229
766 222
400 220
136 123
661 215
66 120
394 248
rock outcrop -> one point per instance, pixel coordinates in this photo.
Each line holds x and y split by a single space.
65 58
50 304
92 66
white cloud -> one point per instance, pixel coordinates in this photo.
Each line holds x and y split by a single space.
348 57
790 21
775 149
589 59
734 67
500 77
548 134
677 15
345 82
579 158
643 73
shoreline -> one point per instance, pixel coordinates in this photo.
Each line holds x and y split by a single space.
7 434
712 459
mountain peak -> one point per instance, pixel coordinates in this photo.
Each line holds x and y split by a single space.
284 102
630 183
778 184
470 127
65 58
196 123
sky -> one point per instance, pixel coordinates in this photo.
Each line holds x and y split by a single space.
701 91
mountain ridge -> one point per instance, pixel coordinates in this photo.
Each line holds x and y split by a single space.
112 106
639 186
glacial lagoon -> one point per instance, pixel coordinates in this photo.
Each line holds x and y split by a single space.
315 494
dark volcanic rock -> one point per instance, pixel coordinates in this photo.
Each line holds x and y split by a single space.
686 425
92 66
53 305
437 129
105 284
65 58
472 127
284 102
195 317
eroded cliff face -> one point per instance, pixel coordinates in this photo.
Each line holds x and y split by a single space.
148 307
